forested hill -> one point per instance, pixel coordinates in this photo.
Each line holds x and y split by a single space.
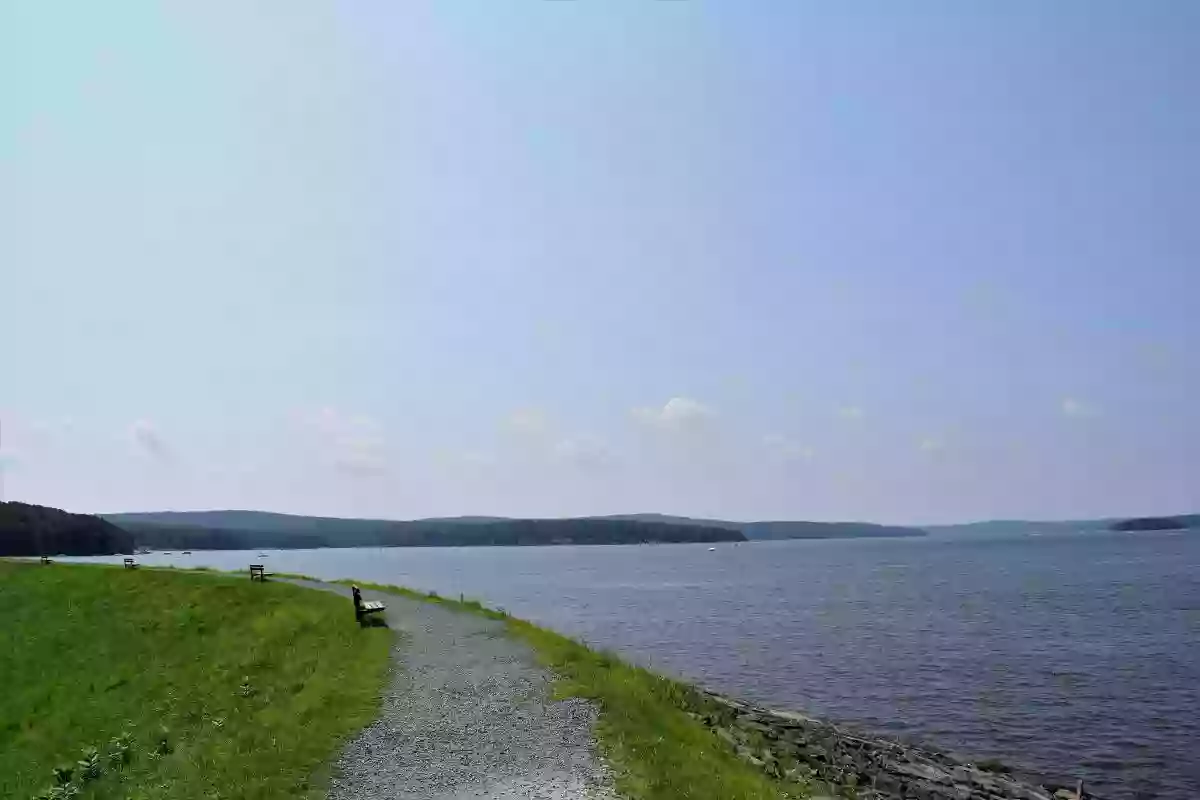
27 530
236 530
788 529
1176 523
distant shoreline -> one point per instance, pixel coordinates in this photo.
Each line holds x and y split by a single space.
235 530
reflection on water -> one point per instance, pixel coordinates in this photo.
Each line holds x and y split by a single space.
1075 656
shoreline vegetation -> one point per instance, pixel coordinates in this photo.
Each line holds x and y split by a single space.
1158 523
178 682
30 530
242 530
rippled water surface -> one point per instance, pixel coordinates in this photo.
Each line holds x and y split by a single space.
1066 655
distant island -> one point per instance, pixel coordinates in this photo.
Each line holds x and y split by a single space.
1158 523
1020 527
29 530
237 530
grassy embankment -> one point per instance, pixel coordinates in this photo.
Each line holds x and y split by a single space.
657 751
209 686
188 686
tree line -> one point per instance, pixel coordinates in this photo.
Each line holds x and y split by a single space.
29 530
427 533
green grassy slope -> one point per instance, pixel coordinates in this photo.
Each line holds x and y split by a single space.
657 750
225 689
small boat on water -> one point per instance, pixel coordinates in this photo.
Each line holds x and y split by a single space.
711 549
187 552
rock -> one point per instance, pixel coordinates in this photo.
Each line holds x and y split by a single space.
862 766
917 770
890 784
763 728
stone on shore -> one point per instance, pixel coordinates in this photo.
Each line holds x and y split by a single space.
796 747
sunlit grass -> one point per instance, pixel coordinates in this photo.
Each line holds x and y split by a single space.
225 688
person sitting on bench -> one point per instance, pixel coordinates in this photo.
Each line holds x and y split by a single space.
357 602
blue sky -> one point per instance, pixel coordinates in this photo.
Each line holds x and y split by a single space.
895 261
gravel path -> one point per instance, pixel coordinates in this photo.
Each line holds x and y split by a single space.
467 715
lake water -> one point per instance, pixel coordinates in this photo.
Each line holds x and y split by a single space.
1065 655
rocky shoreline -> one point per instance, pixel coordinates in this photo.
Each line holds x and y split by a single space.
787 745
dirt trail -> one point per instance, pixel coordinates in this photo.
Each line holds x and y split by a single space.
467 714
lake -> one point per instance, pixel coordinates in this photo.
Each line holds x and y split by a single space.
1066 655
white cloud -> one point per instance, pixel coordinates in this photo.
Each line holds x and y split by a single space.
24 440
1073 407
851 412
1157 356
52 430
529 423
147 439
533 435
787 450
352 443
476 458
586 452
466 463
10 455
679 414
332 422
932 444
735 383
360 457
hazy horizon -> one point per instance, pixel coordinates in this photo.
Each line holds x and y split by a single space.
960 523
765 260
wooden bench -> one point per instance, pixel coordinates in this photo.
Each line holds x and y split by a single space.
370 607
46 560
130 564
257 573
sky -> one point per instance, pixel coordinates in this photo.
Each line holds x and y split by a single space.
911 262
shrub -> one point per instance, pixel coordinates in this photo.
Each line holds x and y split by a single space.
89 766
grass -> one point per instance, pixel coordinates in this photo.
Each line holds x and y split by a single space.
657 751
156 684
